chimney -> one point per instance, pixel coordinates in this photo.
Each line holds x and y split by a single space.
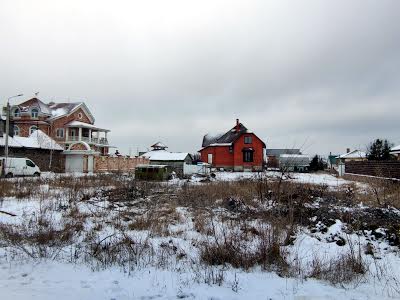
348 150
237 125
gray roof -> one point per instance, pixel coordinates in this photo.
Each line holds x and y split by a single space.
278 152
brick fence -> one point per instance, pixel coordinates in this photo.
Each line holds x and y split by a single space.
118 164
386 169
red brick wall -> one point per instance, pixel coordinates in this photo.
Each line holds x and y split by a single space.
24 127
256 144
223 158
60 123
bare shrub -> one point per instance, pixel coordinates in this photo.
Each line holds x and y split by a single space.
346 268
232 247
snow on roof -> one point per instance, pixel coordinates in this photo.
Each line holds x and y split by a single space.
38 140
354 154
395 149
163 155
61 109
85 125
159 145
11 142
294 156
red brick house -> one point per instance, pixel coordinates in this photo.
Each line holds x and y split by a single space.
69 124
238 149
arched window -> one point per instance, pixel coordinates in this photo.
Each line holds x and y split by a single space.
17 113
16 130
34 113
32 129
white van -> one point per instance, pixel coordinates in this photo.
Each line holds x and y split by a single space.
19 166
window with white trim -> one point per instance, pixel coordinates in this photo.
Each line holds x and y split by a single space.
32 129
34 113
60 132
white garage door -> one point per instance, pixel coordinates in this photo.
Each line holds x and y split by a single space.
74 163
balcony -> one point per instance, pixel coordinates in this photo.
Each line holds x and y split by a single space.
77 131
91 141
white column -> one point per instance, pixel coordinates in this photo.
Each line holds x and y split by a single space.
80 134
66 134
90 135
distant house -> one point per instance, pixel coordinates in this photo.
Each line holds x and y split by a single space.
355 155
274 154
237 149
294 162
395 151
179 162
69 124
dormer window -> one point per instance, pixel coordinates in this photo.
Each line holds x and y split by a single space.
34 113
17 113
248 139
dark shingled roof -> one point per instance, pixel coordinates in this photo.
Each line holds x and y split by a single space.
225 138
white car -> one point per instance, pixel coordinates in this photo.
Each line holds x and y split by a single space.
18 166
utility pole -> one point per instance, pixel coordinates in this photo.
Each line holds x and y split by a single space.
8 126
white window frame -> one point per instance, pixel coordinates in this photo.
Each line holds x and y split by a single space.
60 130
32 129
37 115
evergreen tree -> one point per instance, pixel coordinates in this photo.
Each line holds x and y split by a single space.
379 150
317 163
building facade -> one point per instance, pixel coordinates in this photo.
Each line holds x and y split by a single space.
238 149
69 124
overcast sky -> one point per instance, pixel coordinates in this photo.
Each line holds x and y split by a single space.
321 75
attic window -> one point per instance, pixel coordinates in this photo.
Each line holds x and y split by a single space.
247 140
34 113
80 116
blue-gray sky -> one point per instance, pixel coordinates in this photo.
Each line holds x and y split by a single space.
324 75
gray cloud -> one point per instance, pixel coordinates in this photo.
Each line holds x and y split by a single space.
323 75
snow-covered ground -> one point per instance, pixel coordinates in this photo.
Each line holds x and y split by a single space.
312 178
49 280
26 278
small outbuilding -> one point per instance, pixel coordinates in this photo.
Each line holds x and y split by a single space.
294 162
179 162
152 172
